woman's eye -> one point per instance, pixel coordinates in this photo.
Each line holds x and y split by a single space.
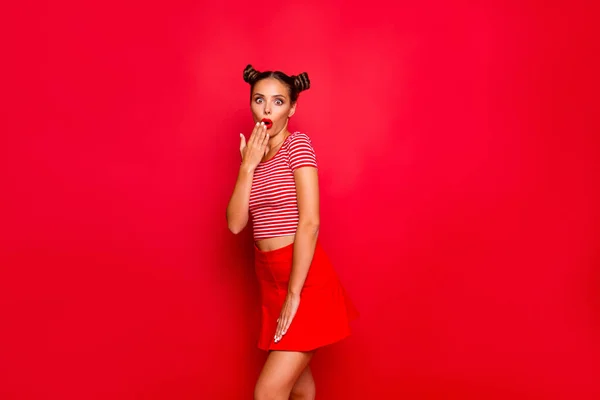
279 102
258 100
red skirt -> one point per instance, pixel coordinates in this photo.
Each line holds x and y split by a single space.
325 309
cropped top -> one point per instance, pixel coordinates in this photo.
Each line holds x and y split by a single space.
273 202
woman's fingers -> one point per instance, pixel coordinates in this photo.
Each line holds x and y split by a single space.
283 324
277 337
288 312
279 326
253 149
278 332
252 139
261 136
242 143
287 322
266 142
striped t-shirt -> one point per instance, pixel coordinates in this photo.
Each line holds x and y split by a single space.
273 203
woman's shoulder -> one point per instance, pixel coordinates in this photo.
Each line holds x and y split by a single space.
300 151
298 137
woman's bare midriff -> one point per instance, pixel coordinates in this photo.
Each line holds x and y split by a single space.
275 243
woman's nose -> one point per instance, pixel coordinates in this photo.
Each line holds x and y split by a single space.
267 109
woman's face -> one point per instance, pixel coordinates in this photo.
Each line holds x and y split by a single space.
270 103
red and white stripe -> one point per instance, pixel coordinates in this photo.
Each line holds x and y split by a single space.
273 201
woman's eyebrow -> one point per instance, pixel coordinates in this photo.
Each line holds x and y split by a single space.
275 95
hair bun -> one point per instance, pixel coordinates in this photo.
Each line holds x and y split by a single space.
301 82
250 74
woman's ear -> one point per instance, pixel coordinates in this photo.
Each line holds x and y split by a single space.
292 110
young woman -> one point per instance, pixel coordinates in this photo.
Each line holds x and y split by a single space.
304 306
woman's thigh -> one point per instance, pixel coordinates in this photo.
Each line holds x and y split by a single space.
280 372
304 388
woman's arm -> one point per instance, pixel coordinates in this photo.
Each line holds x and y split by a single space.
307 191
237 209
252 153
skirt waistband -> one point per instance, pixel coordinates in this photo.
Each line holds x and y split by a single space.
280 254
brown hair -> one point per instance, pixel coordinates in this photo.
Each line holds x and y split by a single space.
294 83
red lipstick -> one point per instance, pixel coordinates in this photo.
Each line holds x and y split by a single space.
267 122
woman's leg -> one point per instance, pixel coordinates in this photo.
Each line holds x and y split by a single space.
279 374
304 389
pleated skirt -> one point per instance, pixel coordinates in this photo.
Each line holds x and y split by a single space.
325 308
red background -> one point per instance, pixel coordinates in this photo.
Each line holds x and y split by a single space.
459 174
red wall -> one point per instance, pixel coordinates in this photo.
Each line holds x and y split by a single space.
459 177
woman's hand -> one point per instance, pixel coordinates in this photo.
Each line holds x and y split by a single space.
288 312
253 152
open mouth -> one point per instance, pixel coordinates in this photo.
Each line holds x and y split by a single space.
267 122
